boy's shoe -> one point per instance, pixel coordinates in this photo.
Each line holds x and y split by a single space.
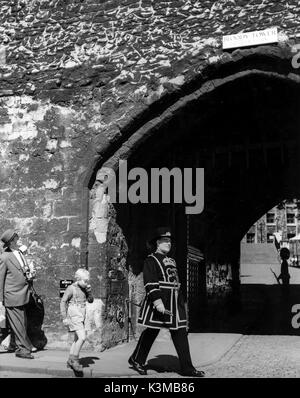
70 363
74 364
137 366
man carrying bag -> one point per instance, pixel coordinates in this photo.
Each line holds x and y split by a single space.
15 293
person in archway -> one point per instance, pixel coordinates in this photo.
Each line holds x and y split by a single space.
285 287
163 306
284 272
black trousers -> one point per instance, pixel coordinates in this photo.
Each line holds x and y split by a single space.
180 341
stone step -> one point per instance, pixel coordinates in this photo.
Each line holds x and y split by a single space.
259 253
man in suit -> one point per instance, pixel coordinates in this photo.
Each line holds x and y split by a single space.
14 292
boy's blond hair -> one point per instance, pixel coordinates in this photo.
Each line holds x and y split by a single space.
82 273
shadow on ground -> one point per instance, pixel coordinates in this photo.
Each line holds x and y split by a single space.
164 363
87 361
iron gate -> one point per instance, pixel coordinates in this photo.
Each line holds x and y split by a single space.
196 286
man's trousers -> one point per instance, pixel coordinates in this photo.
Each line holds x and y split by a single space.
17 320
180 341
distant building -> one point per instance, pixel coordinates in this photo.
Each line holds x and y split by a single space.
282 219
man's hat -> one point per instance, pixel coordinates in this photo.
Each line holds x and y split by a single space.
160 232
8 236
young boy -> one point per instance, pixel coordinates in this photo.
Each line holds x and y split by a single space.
73 310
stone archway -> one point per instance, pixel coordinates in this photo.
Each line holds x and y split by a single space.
252 78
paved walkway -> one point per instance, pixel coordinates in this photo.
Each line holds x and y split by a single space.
223 356
259 357
268 352
206 348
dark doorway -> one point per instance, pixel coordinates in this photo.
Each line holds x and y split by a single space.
244 134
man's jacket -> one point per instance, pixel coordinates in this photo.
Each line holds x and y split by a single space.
14 289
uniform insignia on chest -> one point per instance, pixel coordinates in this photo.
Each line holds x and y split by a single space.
169 261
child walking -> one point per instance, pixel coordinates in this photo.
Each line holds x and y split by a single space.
73 311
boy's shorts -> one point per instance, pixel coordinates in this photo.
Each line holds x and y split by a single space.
76 317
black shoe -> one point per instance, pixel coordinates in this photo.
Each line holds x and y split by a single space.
194 373
25 356
137 366
11 349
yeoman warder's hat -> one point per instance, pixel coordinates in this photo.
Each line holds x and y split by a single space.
8 236
160 232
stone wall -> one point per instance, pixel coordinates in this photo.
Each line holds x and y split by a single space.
77 79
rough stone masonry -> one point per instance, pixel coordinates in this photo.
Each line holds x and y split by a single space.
78 78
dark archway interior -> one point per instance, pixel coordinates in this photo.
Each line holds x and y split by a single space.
246 137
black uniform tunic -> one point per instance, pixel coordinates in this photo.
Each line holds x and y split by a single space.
161 282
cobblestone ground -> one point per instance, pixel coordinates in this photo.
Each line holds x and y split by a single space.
260 356
255 357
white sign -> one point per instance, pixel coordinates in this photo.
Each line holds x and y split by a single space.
250 38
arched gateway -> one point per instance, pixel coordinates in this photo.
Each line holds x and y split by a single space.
239 120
